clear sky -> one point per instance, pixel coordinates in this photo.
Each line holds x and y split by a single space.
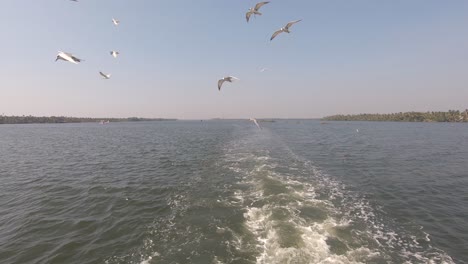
344 57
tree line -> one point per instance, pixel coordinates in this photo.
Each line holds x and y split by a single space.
450 116
64 119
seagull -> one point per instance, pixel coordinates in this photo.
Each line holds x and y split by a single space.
254 10
114 53
284 29
225 79
67 57
264 69
105 76
255 121
115 21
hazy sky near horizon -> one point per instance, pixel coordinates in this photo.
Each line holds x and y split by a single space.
344 57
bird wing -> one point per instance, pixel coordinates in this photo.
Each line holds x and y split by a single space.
104 75
72 57
292 23
256 123
231 78
276 34
68 57
76 59
257 6
247 15
220 83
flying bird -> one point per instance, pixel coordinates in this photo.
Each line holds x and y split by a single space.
225 79
284 29
256 123
264 69
254 10
105 76
115 21
114 53
67 57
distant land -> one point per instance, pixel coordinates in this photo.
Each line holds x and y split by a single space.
65 119
450 116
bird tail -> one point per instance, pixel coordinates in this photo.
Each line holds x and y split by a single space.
257 13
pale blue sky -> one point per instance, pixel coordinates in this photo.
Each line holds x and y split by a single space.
344 57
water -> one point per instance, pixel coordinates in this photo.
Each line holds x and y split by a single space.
226 192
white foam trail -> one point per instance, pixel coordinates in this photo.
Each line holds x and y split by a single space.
147 261
343 210
312 246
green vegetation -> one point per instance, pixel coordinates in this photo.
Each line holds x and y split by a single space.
450 116
63 119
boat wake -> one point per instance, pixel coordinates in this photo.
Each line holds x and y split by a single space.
299 214
261 203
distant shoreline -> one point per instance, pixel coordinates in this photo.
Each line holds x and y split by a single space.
452 116
4 120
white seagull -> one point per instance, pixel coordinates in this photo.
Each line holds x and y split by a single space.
114 53
225 79
284 29
254 10
67 57
105 76
256 123
264 69
115 21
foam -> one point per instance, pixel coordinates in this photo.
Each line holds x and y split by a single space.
147 261
348 218
310 245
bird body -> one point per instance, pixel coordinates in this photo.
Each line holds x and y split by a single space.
115 21
254 10
114 53
225 79
67 57
284 29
